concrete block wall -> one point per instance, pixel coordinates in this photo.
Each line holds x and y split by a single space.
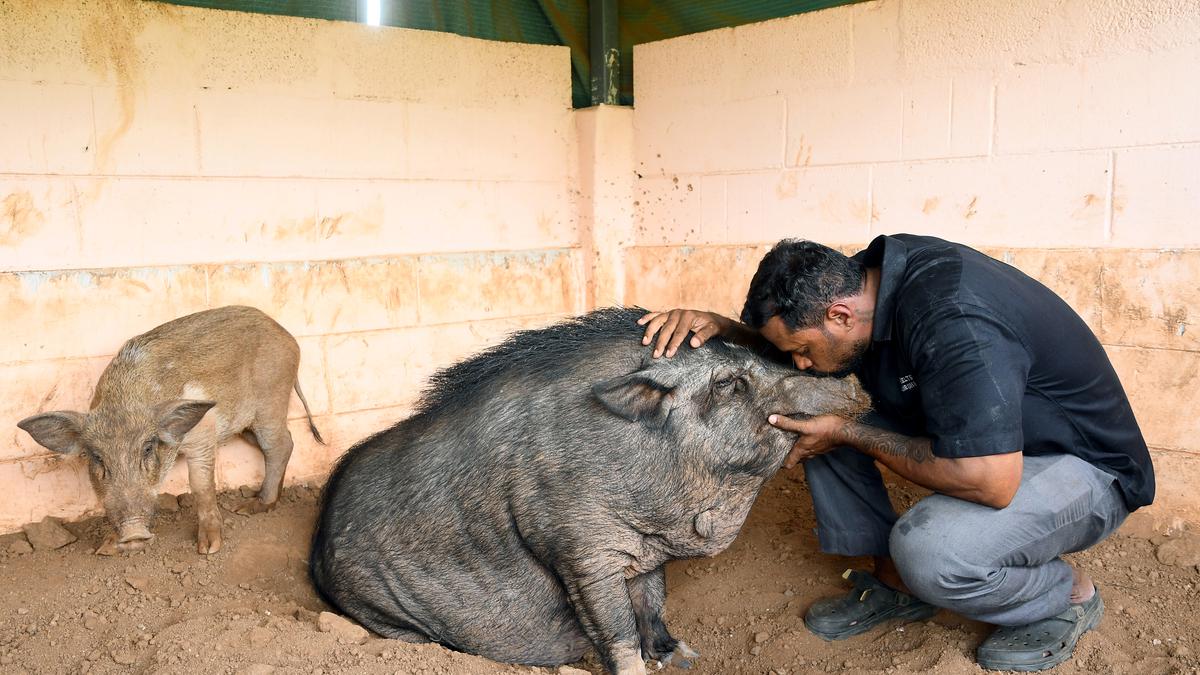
1063 137
396 199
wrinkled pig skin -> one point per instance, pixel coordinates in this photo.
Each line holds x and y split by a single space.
526 510
182 388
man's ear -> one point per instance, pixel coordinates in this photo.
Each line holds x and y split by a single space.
176 418
636 397
841 315
59 431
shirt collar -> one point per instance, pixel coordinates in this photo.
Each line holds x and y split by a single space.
890 255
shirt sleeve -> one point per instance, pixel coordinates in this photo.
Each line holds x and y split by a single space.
971 371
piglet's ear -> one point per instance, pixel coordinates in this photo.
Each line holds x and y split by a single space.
636 398
176 418
58 431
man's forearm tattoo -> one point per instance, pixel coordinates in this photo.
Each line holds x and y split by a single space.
871 438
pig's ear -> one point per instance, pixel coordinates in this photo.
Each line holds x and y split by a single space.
176 418
636 398
59 431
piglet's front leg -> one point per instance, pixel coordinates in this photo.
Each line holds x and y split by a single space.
208 515
200 450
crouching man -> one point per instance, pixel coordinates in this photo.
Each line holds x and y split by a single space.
989 390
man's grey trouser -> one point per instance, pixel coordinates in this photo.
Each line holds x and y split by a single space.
1001 566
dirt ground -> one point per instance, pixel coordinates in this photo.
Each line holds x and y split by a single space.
250 608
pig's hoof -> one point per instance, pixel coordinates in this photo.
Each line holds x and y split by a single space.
682 656
629 662
208 543
252 506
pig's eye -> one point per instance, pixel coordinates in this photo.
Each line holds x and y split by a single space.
148 450
96 462
730 385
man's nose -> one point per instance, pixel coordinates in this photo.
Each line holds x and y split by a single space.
802 362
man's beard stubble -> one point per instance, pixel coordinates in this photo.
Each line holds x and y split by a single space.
851 363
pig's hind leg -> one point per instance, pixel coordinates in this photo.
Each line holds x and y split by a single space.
648 592
275 441
363 605
386 627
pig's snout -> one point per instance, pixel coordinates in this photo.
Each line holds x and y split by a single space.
860 400
133 536
809 395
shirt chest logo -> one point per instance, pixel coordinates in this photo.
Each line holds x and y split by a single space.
907 383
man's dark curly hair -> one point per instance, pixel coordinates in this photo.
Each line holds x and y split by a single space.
798 280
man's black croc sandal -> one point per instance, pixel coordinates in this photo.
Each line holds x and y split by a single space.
1041 644
869 604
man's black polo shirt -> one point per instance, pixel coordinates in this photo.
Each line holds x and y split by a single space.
984 360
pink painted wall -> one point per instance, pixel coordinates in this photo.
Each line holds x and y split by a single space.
1063 137
397 199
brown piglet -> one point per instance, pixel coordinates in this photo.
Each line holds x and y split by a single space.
183 388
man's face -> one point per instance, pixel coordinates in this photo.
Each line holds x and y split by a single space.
826 349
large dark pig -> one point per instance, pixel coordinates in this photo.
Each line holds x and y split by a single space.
183 388
526 510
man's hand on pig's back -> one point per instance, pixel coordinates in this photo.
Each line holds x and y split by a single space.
672 328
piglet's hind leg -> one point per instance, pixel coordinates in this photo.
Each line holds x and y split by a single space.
276 444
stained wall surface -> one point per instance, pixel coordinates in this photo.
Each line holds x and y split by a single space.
398 199
395 198
1062 137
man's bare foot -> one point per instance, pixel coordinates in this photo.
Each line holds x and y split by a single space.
1082 589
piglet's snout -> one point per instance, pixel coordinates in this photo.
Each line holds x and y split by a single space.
134 536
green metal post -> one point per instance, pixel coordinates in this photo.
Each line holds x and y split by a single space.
605 59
